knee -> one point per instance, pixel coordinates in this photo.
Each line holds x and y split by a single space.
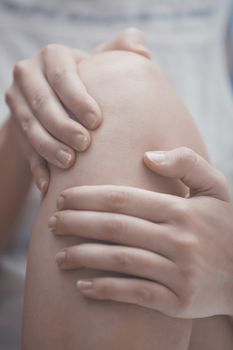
124 73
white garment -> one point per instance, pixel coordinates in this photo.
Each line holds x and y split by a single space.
186 37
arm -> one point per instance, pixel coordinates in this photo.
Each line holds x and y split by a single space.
131 92
15 180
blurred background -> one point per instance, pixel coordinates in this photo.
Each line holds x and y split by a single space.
191 39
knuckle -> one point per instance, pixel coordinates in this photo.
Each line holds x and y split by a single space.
188 247
186 152
58 75
19 69
39 100
187 157
116 199
181 210
26 122
145 296
123 260
114 226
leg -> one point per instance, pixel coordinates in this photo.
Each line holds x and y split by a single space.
134 97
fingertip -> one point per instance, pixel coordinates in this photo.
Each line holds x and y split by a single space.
81 142
155 157
61 202
65 158
42 184
85 285
93 117
60 258
52 223
92 120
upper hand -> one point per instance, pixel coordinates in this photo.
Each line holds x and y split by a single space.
46 90
180 250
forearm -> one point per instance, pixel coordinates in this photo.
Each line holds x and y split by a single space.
63 317
15 180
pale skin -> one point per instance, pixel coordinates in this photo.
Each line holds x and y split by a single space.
45 90
15 181
59 285
131 326
162 229
203 196
31 135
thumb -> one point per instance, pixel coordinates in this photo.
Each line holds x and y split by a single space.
131 39
193 170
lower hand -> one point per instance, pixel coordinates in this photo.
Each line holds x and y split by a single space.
179 251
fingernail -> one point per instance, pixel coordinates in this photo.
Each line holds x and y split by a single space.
64 157
91 120
60 257
156 157
143 48
85 285
60 202
81 142
42 184
52 223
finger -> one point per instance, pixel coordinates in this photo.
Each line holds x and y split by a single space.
131 39
193 170
40 172
60 67
156 207
79 55
43 143
126 260
115 228
38 165
48 110
133 291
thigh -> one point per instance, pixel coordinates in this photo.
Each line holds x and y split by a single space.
140 112
212 333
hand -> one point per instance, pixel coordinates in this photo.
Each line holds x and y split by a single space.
179 250
46 90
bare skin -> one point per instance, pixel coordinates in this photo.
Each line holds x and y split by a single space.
45 89
118 325
131 93
15 181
